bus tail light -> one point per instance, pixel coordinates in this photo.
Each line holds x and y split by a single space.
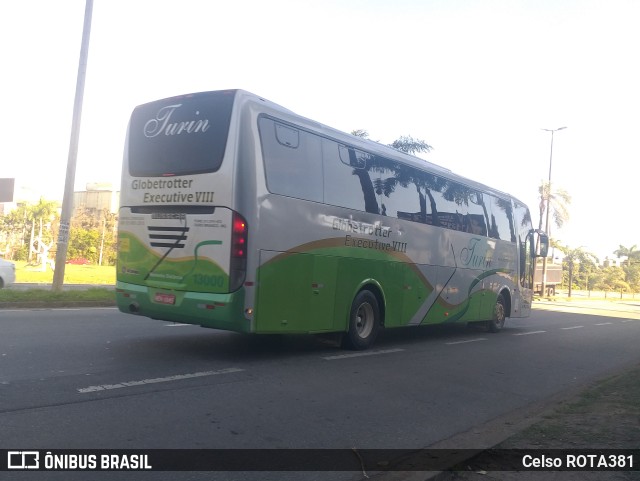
239 237
239 244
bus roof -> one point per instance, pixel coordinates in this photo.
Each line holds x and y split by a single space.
370 146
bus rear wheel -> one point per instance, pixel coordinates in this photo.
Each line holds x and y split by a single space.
364 322
499 315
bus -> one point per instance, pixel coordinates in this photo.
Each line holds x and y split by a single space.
237 214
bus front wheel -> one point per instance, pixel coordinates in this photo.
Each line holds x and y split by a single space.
499 315
364 322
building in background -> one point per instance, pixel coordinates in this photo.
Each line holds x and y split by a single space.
7 187
97 200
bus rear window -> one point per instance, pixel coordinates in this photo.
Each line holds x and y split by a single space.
180 135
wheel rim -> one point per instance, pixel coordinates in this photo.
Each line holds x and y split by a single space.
500 317
364 320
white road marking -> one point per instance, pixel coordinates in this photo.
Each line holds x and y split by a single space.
572 327
466 342
361 354
81 309
528 333
604 323
178 377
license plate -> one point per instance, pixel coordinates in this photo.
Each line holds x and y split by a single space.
164 298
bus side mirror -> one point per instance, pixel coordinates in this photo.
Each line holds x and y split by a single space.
541 243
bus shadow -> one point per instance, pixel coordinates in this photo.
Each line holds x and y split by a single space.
429 333
196 344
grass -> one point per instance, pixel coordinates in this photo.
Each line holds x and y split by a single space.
604 415
88 275
45 297
73 274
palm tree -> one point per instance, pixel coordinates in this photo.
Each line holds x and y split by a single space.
559 200
631 253
573 256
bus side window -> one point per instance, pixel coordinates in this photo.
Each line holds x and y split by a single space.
287 136
347 182
500 226
522 221
292 159
396 191
352 157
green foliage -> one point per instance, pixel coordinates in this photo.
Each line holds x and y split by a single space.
409 145
360 133
632 274
612 279
92 235
23 226
632 255
404 143
558 201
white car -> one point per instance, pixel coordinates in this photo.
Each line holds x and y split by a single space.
7 273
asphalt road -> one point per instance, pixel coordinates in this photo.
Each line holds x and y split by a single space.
96 378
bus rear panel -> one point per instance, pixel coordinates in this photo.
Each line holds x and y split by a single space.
181 247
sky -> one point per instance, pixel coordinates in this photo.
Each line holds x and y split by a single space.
478 80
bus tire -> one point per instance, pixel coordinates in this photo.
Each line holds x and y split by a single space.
364 322
499 315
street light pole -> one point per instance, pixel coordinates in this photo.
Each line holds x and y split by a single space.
546 228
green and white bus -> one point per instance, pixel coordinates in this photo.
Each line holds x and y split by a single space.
238 214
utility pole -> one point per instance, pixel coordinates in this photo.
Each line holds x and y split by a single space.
67 200
546 229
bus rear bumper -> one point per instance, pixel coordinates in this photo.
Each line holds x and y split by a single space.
217 311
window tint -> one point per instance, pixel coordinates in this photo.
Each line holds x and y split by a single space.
447 202
477 214
353 157
429 189
349 177
523 227
293 160
304 165
181 135
287 136
501 219
396 191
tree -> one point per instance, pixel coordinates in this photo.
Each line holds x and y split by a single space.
410 145
631 253
632 273
360 133
15 228
404 143
613 279
559 201
19 229
93 236
43 213
576 257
